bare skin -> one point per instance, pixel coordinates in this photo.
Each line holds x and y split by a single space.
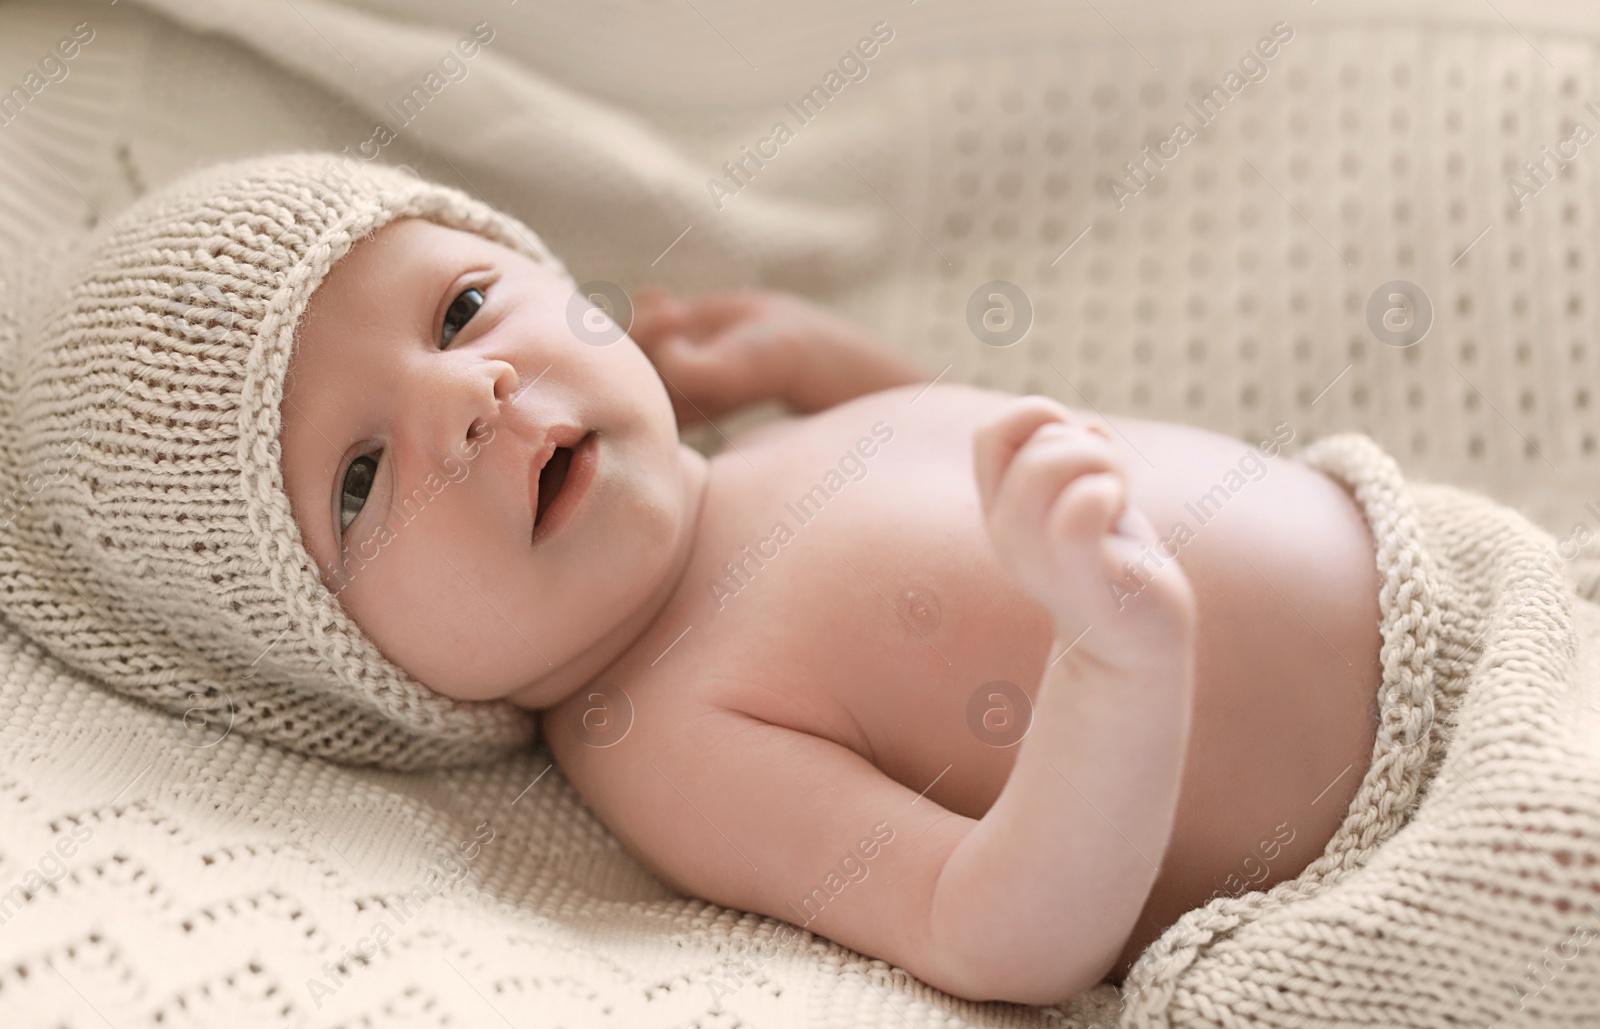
824 724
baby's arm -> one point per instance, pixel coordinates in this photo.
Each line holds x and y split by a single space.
720 351
1063 861
1033 902
760 817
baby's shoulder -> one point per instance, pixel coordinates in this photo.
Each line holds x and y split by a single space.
636 751
623 718
615 727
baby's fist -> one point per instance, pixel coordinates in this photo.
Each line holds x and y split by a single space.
1054 494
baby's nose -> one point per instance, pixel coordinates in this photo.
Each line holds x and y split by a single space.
472 400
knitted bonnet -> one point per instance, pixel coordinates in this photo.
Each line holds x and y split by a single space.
146 538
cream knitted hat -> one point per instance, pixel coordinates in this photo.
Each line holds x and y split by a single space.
146 539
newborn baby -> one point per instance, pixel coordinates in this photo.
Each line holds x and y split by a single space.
985 686
320 454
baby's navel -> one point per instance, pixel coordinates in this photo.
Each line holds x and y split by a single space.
921 608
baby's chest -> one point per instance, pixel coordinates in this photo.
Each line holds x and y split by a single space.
852 593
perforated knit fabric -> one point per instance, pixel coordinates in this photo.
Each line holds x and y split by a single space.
219 880
149 541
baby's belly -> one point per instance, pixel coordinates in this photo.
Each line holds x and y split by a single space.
874 613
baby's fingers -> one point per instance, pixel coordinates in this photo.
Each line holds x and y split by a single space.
1089 508
995 445
1056 456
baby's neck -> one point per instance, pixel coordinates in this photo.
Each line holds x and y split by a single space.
584 667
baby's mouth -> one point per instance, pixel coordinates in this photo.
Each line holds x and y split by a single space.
563 482
551 477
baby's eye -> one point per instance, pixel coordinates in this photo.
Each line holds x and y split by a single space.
362 471
357 484
460 312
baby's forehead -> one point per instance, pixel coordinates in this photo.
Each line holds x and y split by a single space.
415 239
417 245
386 267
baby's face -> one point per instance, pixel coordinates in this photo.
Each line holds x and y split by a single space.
428 373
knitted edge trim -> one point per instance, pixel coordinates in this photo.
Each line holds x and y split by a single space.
1407 697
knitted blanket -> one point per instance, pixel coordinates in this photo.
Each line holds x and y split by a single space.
145 879
1463 887
154 877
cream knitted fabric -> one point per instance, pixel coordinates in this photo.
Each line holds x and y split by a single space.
1463 887
243 885
148 541
219 880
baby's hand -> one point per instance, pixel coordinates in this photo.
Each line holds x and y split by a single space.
720 351
1054 496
